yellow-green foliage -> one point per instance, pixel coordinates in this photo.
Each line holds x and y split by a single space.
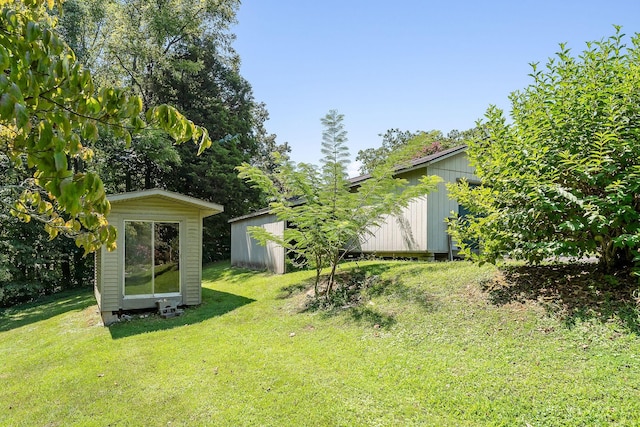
562 178
50 113
326 215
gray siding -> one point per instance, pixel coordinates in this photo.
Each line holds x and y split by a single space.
406 233
246 252
421 229
441 206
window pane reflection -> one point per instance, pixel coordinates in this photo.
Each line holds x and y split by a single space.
152 258
167 258
138 268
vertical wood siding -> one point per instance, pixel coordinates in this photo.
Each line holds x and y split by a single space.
190 260
246 252
441 205
405 233
97 276
111 277
421 228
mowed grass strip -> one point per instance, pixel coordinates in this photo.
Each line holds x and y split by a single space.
426 346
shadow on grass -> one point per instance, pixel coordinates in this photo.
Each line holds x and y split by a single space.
45 308
223 271
356 287
398 290
574 292
214 304
372 317
295 289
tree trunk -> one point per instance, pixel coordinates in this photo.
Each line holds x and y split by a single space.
66 271
127 181
315 285
332 274
614 258
79 268
318 272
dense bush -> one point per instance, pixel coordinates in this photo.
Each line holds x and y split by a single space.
562 177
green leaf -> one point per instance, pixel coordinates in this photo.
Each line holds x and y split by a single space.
205 141
60 159
32 31
5 61
74 144
7 103
93 105
127 139
45 135
90 131
22 116
14 90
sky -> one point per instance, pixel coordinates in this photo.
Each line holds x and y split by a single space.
406 64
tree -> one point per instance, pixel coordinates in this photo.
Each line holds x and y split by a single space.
217 97
32 264
426 143
186 61
50 113
327 216
138 43
392 139
267 145
563 177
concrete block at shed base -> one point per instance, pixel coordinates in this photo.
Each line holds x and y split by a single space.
167 308
108 318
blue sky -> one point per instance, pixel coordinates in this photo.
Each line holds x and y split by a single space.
407 64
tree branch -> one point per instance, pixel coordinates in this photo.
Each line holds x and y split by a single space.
133 78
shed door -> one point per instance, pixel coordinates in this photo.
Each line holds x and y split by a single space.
151 259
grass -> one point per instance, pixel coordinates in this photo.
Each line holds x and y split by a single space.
428 346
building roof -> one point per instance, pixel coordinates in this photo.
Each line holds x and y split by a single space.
414 164
419 163
254 214
206 208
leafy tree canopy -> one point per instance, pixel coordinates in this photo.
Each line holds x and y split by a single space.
177 52
425 143
50 111
563 176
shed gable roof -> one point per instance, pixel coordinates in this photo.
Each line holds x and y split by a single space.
206 208
421 162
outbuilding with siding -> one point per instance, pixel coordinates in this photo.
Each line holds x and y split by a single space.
420 231
158 255
246 252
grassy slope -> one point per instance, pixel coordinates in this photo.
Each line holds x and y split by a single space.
442 355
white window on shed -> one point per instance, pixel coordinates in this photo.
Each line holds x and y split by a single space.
151 258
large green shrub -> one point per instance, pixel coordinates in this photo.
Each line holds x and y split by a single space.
562 177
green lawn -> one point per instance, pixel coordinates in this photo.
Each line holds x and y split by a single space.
427 347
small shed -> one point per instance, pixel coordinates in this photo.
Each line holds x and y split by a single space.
158 255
